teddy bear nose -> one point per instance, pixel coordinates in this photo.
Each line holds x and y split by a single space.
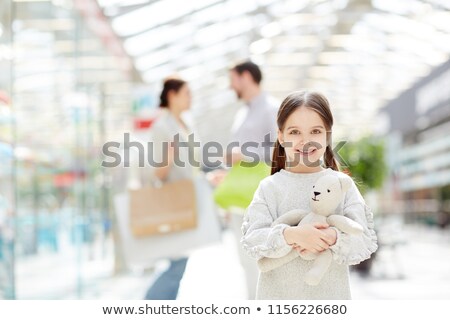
316 193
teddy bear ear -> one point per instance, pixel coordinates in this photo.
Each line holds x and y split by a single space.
346 182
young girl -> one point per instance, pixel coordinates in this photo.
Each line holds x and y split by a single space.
304 137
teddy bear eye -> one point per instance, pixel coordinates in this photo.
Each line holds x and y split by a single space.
314 186
328 190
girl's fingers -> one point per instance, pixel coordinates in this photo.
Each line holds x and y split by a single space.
325 237
321 225
324 244
319 248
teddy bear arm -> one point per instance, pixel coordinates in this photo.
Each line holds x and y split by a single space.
291 218
345 224
268 264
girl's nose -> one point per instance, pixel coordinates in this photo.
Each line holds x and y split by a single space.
302 143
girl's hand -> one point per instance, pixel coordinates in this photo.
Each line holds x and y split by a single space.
331 240
308 237
332 235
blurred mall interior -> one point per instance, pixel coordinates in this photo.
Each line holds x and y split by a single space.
75 74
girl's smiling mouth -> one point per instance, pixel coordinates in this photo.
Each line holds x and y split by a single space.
306 153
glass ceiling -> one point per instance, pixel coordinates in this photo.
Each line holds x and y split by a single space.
360 53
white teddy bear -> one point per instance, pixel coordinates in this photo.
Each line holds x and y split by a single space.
327 193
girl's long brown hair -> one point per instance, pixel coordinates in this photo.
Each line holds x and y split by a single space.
315 101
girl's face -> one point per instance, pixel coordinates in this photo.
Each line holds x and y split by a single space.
304 138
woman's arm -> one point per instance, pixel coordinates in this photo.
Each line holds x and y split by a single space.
162 152
162 172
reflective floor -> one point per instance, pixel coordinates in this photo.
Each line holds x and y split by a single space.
416 266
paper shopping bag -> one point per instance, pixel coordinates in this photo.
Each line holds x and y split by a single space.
168 208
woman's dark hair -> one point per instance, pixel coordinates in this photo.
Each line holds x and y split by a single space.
314 101
170 85
251 68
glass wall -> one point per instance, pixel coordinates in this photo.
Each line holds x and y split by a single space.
6 156
56 79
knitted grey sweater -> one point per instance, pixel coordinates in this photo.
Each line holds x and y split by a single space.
285 191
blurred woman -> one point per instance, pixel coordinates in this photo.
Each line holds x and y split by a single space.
177 164
175 99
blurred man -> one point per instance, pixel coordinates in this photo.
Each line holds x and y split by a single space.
253 133
257 118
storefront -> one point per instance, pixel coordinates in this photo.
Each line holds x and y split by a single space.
418 122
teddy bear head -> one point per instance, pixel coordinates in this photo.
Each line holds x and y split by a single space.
327 192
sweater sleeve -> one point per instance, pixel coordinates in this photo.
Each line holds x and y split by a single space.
352 249
259 238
